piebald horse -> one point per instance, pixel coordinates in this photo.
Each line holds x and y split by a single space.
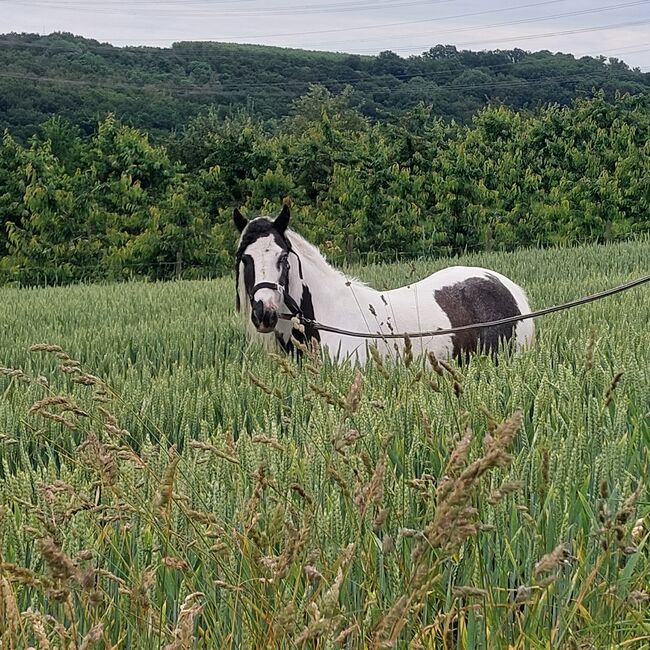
279 272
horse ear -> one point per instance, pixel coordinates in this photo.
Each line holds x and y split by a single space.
282 220
240 220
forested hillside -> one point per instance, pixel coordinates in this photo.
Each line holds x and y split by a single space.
161 89
113 204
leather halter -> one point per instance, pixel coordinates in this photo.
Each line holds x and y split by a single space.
291 304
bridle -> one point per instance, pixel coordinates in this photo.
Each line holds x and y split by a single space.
291 304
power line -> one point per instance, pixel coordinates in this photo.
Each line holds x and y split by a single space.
529 37
238 88
383 25
292 10
521 21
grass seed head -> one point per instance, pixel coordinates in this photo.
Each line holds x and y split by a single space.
551 561
60 566
183 634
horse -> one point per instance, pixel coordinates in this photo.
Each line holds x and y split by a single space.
279 273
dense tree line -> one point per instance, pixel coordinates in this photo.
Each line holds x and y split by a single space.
160 89
114 205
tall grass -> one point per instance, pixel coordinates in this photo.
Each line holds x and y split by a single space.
165 484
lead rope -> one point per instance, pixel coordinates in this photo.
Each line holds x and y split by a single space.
463 328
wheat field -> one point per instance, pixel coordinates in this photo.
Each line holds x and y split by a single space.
163 484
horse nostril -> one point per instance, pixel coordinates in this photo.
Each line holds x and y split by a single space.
258 313
270 318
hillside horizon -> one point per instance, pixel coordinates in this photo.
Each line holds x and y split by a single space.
160 89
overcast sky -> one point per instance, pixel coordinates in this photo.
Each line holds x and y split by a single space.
582 27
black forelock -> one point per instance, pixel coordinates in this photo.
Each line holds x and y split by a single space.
256 229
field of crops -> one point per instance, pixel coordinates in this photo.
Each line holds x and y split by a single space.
180 487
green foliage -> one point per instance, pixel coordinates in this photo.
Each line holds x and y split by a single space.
161 89
114 205
291 501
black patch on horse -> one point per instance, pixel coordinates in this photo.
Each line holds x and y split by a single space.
285 346
310 334
307 310
478 300
256 229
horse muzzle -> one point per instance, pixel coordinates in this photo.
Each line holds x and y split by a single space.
263 319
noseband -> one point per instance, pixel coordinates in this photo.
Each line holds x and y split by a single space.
291 304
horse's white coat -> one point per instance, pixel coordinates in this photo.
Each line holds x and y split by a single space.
347 303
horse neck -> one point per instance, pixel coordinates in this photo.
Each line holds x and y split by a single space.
334 296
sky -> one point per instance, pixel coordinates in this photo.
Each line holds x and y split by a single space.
581 27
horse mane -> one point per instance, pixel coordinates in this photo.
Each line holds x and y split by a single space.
313 256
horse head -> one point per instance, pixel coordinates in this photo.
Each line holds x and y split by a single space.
262 268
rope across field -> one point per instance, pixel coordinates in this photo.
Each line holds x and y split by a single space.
300 320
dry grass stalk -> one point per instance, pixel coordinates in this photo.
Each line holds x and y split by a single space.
37 622
373 491
25 576
205 446
451 370
435 364
300 346
408 351
609 395
615 527
9 612
551 561
638 531
458 456
250 512
94 635
163 497
183 634
379 520
269 440
392 622
333 473
501 493
46 347
65 403
329 397
353 399
175 563
454 521
326 615
378 361
469 592
296 541
139 594
284 623
60 566
111 425
590 349
15 373
207 518
312 573
285 365
256 381
296 487
344 439
102 460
